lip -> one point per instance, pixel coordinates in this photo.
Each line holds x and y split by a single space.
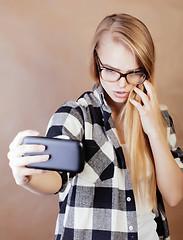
121 94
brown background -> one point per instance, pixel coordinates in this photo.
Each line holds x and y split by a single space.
44 55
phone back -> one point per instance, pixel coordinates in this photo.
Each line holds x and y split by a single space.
65 155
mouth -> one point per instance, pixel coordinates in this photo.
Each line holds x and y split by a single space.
121 94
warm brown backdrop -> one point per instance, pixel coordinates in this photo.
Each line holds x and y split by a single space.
44 55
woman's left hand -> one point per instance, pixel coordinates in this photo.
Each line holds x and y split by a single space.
149 110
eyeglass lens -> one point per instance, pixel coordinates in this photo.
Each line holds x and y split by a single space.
112 76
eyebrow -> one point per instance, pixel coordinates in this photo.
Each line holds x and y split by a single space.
118 70
115 69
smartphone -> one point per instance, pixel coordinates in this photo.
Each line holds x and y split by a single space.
65 155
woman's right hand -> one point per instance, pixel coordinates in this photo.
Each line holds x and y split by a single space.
17 160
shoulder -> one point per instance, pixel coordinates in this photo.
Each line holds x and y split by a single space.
86 100
171 135
76 108
167 117
71 116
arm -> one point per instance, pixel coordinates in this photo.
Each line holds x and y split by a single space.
47 183
68 122
168 173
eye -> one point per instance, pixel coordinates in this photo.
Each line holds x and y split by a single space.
109 70
136 77
137 73
109 74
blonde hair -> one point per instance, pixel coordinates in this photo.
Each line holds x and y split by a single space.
130 31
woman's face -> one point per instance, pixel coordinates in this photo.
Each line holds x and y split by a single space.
118 57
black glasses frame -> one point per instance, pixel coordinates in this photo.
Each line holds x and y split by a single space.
100 67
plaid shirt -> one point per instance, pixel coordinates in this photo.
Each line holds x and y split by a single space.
98 203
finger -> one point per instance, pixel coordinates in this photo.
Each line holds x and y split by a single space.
20 136
149 88
21 162
143 96
21 172
136 104
25 148
32 171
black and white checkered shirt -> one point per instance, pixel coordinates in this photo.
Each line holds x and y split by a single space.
99 204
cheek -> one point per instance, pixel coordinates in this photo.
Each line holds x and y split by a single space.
105 85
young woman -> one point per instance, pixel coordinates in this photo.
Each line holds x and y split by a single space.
129 164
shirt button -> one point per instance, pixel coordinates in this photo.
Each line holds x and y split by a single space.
128 199
130 228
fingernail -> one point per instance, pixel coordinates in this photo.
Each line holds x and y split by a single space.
42 147
44 157
47 157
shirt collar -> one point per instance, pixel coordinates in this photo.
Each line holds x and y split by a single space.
98 92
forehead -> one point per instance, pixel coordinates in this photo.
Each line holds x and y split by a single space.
116 54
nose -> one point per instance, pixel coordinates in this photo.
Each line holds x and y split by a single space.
122 82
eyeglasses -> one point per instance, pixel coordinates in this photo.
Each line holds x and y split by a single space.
137 76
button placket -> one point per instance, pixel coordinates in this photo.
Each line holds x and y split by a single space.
130 228
128 199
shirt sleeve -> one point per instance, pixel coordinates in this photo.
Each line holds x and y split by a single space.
171 137
66 123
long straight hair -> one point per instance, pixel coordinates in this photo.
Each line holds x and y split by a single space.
130 31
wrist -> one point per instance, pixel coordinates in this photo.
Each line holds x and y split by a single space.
156 134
